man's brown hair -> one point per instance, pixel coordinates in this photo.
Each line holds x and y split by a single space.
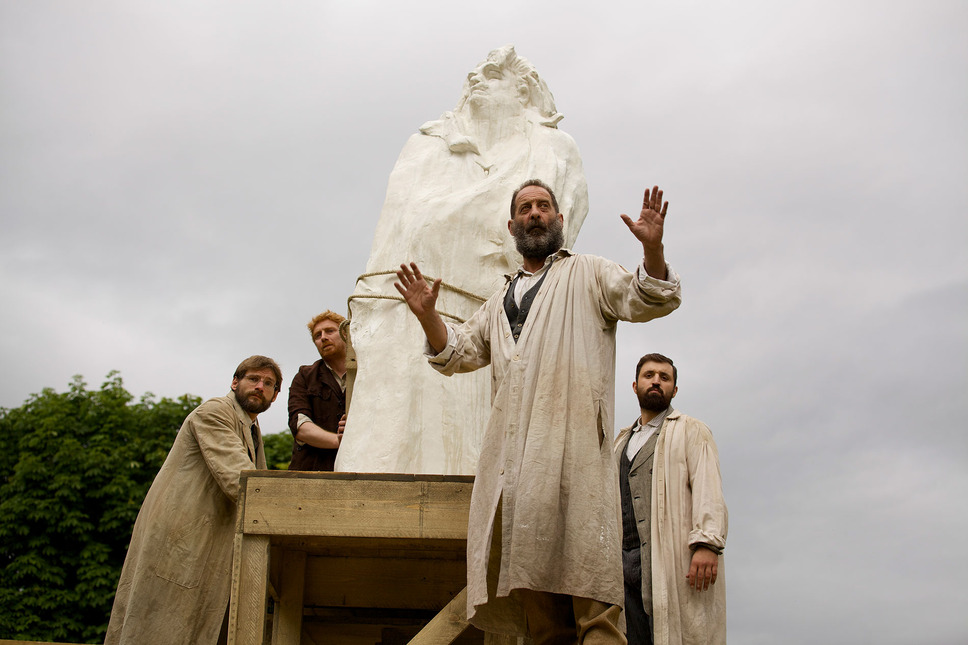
657 358
539 184
253 363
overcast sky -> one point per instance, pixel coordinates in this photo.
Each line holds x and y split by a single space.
183 184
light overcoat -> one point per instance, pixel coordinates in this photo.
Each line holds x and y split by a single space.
176 578
687 508
546 459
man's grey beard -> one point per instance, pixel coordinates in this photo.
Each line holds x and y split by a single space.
541 245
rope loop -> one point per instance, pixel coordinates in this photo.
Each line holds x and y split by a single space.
455 289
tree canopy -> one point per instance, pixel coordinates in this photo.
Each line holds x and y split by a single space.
278 450
74 470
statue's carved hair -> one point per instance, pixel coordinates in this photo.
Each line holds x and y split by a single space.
539 96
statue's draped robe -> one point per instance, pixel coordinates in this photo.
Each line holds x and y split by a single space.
446 209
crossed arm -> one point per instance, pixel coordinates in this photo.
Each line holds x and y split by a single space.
310 432
319 437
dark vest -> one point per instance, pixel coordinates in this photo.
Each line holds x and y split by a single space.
641 480
643 488
630 534
517 315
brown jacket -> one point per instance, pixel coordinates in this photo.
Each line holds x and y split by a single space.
176 579
316 393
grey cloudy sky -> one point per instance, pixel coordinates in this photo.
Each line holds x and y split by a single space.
183 184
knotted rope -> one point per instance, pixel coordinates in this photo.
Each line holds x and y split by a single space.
463 292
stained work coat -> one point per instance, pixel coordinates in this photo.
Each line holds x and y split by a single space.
546 457
176 579
687 508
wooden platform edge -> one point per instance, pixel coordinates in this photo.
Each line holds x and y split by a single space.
347 476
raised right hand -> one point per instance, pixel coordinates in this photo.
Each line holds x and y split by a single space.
419 296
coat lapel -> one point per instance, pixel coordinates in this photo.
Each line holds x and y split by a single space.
644 455
328 379
245 423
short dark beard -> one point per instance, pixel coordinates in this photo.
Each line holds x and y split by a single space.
252 408
540 246
654 400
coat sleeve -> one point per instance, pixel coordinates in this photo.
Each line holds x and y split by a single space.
298 400
709 516
635 297
215 426
472 347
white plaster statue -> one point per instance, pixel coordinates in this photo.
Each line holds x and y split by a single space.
447 206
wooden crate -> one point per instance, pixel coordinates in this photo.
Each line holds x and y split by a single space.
350 559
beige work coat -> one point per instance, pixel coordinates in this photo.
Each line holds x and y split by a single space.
546 457
176 579
687 508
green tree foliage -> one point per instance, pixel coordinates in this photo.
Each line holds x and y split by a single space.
74 469
278 450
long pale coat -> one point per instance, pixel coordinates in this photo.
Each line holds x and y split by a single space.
687 508
176 579
546 456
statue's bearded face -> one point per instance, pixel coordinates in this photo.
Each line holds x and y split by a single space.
492 87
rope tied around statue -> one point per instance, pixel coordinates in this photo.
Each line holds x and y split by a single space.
344 328
430 280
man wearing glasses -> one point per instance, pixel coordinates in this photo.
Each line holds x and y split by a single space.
175 583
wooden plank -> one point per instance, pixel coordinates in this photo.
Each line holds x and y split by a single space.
9 642
250 573
447 625
403 583
287 620
356 508
347 476
342 634
276 555
502 639
372 547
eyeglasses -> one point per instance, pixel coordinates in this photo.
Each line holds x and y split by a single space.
268 382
